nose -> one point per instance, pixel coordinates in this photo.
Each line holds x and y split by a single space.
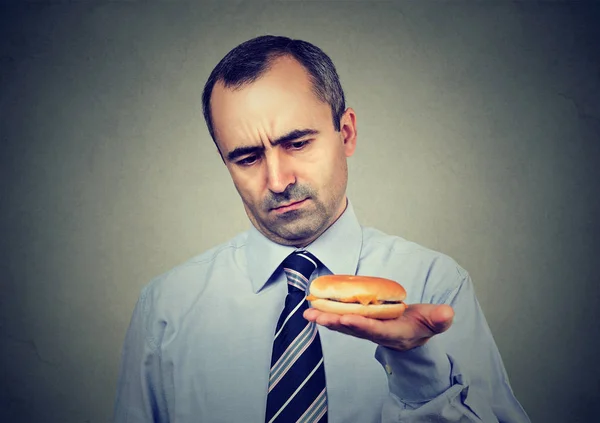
279 173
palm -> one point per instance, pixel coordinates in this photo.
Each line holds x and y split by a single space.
418 323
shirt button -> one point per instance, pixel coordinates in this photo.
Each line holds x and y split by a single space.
388 369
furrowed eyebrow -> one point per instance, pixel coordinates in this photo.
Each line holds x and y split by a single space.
242 151
251 149
294 135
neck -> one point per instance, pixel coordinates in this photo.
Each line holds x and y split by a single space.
306 243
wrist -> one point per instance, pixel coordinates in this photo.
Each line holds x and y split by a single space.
419 374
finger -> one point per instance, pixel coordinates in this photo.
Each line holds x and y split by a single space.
367 328
379 330
432 318
362 327
331 321
362 324
328 320
336 325
324 319
311 314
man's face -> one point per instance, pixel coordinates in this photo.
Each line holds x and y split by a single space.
285 157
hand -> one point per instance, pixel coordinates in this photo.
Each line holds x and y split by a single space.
414 328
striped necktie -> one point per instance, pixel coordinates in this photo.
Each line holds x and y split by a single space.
297 390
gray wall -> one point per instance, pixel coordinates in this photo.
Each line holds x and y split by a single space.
479 130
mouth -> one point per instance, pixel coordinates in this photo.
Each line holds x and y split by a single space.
291 206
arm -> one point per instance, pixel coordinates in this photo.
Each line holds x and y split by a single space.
139 396
441 360
457 376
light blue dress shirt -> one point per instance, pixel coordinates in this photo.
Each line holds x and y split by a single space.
198 347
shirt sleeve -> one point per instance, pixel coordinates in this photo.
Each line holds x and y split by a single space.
139 394
457 376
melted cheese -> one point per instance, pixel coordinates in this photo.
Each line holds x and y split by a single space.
362 299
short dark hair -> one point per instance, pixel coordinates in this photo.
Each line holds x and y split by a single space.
251 59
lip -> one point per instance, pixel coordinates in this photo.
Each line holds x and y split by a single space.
288 207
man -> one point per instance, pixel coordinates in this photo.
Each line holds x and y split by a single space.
207 340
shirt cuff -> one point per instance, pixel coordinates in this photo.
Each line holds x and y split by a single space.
417 375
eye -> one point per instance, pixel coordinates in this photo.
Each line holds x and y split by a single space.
297 145
248 161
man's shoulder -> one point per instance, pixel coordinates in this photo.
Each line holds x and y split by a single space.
425 267
190 277
376 239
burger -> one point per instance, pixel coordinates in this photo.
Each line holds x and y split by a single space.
368 296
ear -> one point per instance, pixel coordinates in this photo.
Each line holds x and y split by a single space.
348 131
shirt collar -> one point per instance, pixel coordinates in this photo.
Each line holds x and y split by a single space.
338 248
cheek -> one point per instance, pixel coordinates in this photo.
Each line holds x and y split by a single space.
248 188
334 166
336 176
325 177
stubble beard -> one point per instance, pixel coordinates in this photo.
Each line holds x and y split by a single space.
296 227
293 226
300 224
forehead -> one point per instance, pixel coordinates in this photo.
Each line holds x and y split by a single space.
278 102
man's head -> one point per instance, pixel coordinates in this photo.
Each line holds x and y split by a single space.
276 112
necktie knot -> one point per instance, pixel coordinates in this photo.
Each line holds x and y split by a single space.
298 267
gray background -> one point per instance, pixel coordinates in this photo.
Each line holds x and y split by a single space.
478 127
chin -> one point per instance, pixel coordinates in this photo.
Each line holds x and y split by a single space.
299 231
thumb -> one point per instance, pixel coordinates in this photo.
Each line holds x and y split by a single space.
441 318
